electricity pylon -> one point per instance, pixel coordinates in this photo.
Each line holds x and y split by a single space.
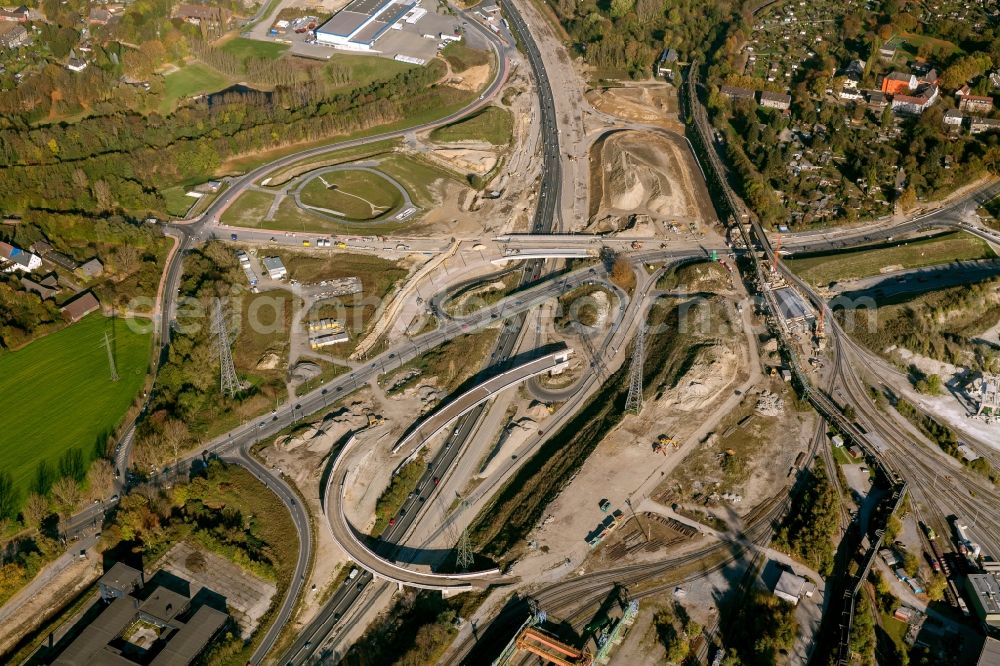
633 404
111 358
229 383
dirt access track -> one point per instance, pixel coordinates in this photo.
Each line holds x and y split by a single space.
648 103
647 172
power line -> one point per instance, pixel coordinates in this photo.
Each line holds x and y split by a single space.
111 358
229 383
633 404
465 558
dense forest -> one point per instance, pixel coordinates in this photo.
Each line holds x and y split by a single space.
626 36
120 162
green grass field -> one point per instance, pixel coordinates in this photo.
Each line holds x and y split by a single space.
56 393
418 177
822 269
178 203
493 125
244 48
462 57
365 69
334 158
248 210
192 79
354 195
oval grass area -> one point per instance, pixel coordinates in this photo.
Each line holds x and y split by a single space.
352 194
57 394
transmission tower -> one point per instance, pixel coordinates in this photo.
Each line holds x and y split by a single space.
465 559
111 358
633 404
229 383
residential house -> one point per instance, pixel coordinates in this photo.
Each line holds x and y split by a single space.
12 35
39 288
14 14
975 103
81 306
980 125
898 82
47 253
91 269
877 100
15 259
854 72
736 92
850 93
665 65
952 118
203 14
98 16
76 65
915 104
775 101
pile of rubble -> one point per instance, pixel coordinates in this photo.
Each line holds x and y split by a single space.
769 404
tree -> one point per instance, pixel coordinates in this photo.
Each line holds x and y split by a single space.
66 493
620 8
862 639
622 274
931 384
8 497
101 479
936 587
911 565
35 510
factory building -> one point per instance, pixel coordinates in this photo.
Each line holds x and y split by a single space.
359 25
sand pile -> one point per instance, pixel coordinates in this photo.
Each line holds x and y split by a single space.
714 368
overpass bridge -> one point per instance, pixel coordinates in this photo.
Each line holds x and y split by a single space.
465 403
347 537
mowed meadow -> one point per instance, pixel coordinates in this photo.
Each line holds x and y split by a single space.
56 394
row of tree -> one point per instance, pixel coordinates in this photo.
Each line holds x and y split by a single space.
124 161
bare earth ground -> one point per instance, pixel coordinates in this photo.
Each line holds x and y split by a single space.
648 173
653 103
625 461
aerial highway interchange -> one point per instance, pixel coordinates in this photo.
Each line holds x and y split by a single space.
550 257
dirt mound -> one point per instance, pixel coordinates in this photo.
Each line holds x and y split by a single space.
472 78
652 104
647 173
478 158
305 370
714 368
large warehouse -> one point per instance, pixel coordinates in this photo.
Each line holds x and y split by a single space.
358 25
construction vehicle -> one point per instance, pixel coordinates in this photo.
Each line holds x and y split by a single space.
636 245
663 444
306 243
375 420
341 245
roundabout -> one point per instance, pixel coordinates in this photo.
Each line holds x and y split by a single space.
353 194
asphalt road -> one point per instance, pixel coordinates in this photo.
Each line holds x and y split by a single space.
544 218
